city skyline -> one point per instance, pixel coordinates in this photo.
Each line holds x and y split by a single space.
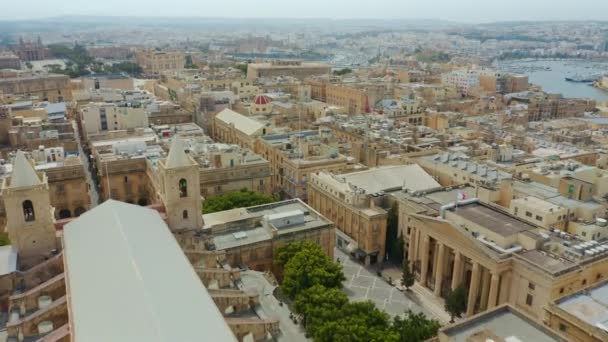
472 12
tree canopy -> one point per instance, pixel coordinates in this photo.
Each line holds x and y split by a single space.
309 267
342 72
236 199
456 302
314 281
407 279
415 327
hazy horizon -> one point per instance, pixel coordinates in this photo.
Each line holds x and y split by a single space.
472 11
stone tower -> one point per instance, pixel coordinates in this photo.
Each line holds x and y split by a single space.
29 215
180 188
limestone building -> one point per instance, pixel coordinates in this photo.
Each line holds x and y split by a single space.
454 240
355 201
295 69
581 316
52 88
294 157
155 62
250 236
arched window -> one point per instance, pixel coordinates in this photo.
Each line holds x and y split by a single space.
185 214
183 188
28 211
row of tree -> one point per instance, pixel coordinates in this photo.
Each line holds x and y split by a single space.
236 199
313 282
79 63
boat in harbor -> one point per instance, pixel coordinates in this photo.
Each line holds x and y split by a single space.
578 79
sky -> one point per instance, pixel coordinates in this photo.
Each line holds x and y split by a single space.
472 11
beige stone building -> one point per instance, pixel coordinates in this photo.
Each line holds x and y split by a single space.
156 62
294 157
54 88
98 117
581 316
251 236
295 69
231 127
496 256
355 202
503 323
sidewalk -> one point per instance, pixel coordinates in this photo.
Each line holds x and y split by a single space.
420 294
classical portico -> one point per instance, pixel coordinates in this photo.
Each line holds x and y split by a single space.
441 261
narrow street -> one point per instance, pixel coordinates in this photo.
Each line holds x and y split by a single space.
93 194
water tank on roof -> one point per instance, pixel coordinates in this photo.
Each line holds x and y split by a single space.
44 302
601 222
45 327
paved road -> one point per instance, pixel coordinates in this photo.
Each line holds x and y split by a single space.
270 308
94 196
363 284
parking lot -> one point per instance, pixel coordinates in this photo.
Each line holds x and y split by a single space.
362 284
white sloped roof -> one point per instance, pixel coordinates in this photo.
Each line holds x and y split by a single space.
240 121
23 172
412 177
128 280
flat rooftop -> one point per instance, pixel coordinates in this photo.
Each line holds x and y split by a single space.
505 323
590 306
492 219
546 262
255 225
411 177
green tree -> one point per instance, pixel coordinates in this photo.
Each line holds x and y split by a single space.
236 199
310 267
415 327
359 322
407 279
242 67
287 251
319 304
456 302
342 72
4 240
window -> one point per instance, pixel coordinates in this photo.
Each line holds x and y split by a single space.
529 214
185 214
183 188
531 286
539 218
584 233
529 300
126 179
28 211
561 290
584 282
562 327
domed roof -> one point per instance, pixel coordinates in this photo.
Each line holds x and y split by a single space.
261 100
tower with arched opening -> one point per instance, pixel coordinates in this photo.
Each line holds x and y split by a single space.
180 188
29 215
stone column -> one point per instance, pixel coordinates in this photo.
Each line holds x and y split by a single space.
493 290
439 266
485 289
425 259
456 272
473 289
411 250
